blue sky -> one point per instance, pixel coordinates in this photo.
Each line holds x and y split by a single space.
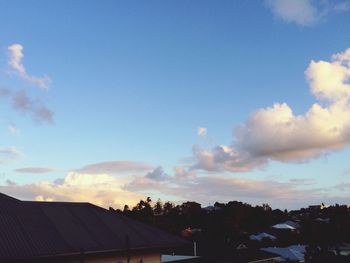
103 101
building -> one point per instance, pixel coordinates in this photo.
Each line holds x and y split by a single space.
293 253
252 256
262 236
63 232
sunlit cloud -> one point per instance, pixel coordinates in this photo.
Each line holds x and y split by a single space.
20 100
202 131
15 62
116 190
100 189
276 133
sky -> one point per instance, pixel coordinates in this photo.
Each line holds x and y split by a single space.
109 102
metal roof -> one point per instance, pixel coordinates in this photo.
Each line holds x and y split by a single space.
47 229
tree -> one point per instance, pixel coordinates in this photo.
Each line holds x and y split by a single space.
158 208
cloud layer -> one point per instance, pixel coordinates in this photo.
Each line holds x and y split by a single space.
114 167
8 154
35 170
107 190
276 133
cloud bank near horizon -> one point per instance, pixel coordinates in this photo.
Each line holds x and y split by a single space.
117 190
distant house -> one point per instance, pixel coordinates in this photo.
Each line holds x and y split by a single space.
294 224
314 207
342 249
241 246
188 232
284 226
253 256
211 208
323 220
262 236
63 232
293 253
178 259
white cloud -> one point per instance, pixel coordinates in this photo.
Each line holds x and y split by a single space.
15 62
301 12
20 99
306 12
202 131
277 133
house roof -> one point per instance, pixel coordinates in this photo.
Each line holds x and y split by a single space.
261 236
46 229
177 258
292 223
283 226
293 253
252 255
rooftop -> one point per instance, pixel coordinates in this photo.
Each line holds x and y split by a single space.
45 229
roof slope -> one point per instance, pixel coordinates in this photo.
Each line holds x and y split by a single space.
293 253
46 229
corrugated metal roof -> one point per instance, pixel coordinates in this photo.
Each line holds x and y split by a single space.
44 229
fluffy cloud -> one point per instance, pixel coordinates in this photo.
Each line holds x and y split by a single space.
202 131
35 170
15 62
114 167
277 133
305 12
157 174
